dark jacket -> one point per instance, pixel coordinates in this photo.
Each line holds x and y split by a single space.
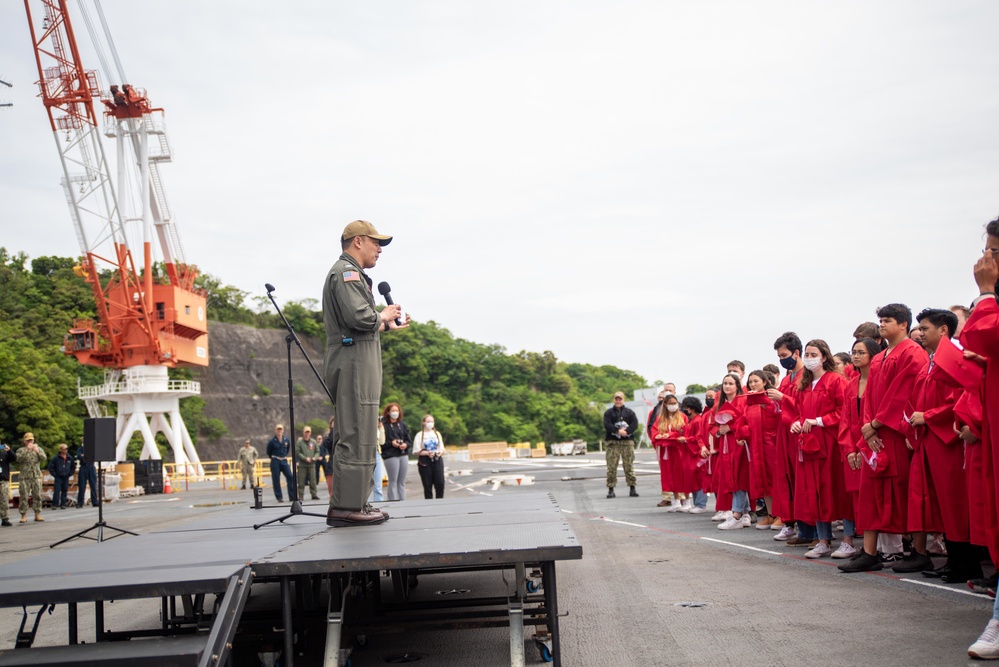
6 458
81 459
396 431
62 467
326 454
613 416
279 448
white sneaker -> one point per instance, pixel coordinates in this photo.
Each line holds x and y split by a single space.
844 551
818 551
786 533
698 510
687 506
674 507
746 520
731 523
987 645
722 516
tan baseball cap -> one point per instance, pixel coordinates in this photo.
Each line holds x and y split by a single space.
619 394
364 228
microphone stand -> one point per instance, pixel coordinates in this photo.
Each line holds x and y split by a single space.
296 505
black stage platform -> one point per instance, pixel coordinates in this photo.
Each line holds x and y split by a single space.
324 574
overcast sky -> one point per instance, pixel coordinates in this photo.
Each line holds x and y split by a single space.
661 186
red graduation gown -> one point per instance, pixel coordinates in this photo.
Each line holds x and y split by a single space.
981 335
968 412
672 457
696 438
732 465
884 493
759 430
850 440
814 497
783 483
938 490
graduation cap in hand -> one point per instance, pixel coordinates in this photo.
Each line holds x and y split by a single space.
724 415
756 398
959 372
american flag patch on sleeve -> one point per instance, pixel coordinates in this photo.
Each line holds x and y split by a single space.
349 276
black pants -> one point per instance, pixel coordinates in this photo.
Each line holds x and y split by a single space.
432 475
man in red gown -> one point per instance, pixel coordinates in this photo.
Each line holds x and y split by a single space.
788 348
884 479
938 490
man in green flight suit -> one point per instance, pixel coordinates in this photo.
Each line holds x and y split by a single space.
31 460
307 452
353 372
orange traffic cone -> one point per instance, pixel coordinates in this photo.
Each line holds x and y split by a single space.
167 488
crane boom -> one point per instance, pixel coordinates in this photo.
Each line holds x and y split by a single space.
141 321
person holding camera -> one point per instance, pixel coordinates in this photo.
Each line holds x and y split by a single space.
620 424
395 451
428 445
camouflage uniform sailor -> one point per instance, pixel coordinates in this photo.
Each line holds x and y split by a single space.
247 460
6 456
353 371
30 460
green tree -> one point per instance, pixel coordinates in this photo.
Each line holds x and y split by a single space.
696 389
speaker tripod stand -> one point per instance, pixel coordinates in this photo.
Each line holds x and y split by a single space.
101 524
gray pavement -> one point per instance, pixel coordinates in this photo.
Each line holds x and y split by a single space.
763 603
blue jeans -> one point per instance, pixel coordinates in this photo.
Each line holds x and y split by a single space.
60 491
849 528
740 502
700 499
377 495
88 474
824 529
280 467
806 532
995 610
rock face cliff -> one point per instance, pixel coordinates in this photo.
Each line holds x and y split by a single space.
244 360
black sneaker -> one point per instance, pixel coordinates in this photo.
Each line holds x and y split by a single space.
610 492
915 562
864 562
633 493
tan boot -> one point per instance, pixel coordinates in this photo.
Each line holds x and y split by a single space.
38 517
24 518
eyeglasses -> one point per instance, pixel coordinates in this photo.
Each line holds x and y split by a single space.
994 251
858 353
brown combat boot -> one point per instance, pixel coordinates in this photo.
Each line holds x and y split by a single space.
38 517
24 518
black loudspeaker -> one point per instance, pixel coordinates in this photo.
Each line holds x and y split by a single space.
99 439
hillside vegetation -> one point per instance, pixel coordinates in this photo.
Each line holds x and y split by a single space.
476 392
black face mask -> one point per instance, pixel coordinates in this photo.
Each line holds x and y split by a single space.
788 363
709 402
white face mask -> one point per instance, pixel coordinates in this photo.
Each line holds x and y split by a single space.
673 407
394 415
812 363
429 426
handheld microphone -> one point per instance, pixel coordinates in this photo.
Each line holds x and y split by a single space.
386 291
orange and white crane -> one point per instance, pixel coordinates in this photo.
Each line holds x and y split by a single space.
146 323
